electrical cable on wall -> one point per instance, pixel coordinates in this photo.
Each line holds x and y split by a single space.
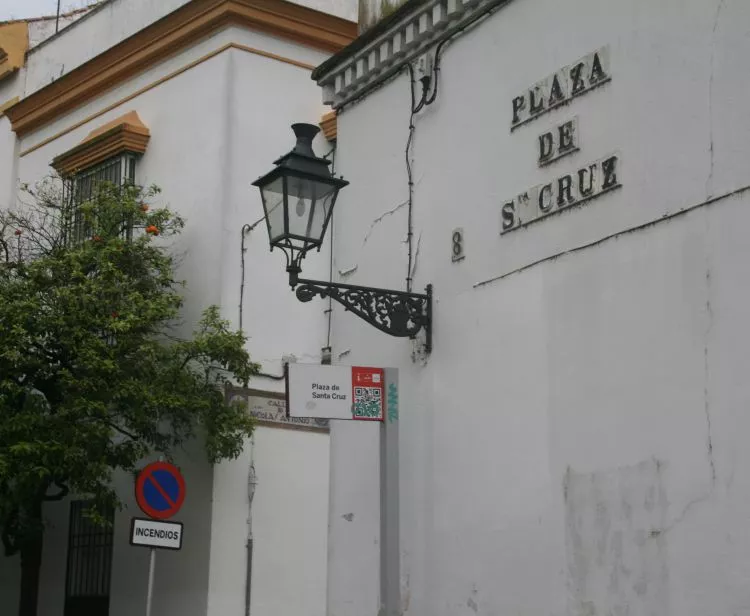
410 179
448 37
426 99
246 229
332 153
429 95
252 482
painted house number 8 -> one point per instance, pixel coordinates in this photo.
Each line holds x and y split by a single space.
457 248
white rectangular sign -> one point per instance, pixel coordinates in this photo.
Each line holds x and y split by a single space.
320 391
336 392
156 534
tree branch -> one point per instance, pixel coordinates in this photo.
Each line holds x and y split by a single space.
48 354
122 431
4 244
188 358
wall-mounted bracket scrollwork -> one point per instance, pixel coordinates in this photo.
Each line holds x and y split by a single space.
396 313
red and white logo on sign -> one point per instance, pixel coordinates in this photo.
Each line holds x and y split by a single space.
368 392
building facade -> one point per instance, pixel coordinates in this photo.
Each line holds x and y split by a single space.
570 178
577 194
191 96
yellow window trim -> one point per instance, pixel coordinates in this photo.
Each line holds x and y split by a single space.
124 134
7 104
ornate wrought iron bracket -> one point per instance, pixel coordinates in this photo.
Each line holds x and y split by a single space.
396 313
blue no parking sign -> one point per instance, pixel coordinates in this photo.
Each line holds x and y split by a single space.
160 490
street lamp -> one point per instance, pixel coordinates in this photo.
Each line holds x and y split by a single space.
298 198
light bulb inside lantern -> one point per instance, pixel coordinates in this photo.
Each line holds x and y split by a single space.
300 207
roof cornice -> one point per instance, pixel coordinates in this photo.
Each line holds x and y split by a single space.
166 37
384 50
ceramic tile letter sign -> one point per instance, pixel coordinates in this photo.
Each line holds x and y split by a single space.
557 143
561 87
570 189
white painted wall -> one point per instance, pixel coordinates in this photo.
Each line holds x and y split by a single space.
576 442
277 325
117 20
87 38
214 129
42 29
9 89
289 521
258 130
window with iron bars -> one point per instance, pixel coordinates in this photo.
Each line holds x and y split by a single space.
80 188
89 570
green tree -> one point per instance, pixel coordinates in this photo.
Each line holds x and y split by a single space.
93 378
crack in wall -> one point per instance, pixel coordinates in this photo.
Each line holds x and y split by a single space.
706 409
388 213
658 532
380 218
706 365
376 221
707 412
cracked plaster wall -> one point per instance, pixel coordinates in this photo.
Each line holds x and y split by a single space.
576 443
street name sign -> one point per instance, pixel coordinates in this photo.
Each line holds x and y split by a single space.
269 409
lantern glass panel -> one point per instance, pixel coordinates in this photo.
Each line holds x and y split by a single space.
273 203
310 203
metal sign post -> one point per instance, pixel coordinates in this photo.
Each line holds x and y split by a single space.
150 591
361 394
160 493
390 536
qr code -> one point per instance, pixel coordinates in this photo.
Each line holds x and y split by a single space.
368 402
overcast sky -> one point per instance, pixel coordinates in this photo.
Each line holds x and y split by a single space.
19 9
